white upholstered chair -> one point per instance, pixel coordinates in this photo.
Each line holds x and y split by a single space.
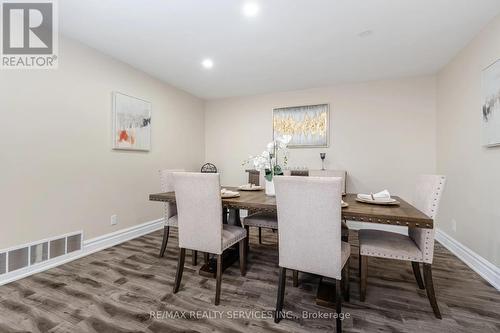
309 213
260 219
170 211
417 247
331 173
343 175
199 208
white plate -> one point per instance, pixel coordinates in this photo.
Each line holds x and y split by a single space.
229 195
375 202
253 188
344 204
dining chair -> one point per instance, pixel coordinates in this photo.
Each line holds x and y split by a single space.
331 173
259 219
208 168
343 175
199 208
170 209
417 247
309 213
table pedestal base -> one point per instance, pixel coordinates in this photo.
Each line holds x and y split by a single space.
231 255
326 293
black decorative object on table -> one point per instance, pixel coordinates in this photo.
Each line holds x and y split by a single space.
322 155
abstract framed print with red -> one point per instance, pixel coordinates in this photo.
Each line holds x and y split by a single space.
131 123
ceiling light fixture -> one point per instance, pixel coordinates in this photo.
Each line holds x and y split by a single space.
207 63
250 9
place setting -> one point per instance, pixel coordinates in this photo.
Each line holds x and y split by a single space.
380 198
250 187
227 194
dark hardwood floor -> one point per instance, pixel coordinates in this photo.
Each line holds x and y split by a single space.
115 291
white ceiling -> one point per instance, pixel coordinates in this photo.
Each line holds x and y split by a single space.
290 44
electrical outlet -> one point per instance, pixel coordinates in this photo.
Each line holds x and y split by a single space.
454 225
114 220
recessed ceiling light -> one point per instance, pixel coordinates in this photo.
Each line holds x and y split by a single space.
207 63
250 9
365 33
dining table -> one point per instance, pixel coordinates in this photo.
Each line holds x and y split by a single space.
402 214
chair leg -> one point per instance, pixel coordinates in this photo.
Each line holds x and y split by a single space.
338 304
180 269
243 257
364 274
281 295
345 238
206 257
194 258
219 279
416 271
347 289
295 278
166 231
260 235
429 286
359 264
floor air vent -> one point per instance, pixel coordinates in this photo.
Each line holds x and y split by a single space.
3 263
39 252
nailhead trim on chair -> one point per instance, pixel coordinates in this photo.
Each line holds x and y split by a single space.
260 225
170 222
235 240
374 254
433 211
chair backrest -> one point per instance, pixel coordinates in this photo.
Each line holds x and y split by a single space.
199 209
208 168
331 173
428 194
167 185
309 215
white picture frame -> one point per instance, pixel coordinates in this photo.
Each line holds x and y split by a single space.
490 109
308 125
131 129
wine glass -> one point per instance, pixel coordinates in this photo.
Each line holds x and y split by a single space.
322 155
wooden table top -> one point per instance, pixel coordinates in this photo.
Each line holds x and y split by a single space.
403 215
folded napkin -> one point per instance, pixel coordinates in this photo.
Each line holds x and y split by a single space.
382 196
227 192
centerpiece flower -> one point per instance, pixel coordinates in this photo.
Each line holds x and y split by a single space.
269 161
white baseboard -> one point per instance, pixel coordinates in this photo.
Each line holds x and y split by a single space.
89 246
481 266
120 236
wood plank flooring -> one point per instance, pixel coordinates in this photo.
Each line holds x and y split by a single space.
115 291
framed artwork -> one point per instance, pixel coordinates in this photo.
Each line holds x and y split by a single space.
307 125
491 105
131 123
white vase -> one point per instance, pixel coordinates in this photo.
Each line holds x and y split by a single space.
270 188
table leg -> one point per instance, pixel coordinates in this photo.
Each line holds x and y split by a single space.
234 217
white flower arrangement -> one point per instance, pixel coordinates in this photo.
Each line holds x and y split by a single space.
268 161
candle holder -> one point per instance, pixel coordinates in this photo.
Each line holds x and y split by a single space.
322 155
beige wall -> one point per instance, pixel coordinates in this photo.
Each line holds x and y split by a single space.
58 172
382 133
472 198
